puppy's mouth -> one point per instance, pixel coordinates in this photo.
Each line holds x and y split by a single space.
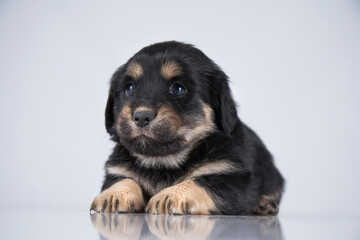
143 132
166 134
148 146
154 140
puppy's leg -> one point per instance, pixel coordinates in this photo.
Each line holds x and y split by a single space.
234 193
122 196
229 193
186 197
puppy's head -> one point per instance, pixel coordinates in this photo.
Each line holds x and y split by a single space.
166 98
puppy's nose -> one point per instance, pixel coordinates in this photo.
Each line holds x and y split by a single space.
142 118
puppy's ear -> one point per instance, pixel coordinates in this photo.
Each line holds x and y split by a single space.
109 110
109 113
223 103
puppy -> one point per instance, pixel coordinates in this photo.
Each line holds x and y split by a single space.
180 146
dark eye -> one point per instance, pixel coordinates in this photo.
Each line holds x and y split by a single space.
129 88
178 89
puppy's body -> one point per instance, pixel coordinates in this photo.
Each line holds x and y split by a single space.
179 140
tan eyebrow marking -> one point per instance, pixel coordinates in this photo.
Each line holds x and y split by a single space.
135 70
170 69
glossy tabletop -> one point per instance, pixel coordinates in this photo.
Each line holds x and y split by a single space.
83 225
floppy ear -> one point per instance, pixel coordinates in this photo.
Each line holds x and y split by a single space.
224 105
109 114
109 110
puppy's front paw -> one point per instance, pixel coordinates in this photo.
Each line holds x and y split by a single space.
123 196
183 198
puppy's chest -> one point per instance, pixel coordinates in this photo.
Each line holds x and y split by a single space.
152 181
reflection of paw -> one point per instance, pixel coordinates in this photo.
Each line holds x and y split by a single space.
123 196
118 226
183 198
180 227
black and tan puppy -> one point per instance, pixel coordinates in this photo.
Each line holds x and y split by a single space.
180 146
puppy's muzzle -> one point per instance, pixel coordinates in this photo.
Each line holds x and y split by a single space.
142 118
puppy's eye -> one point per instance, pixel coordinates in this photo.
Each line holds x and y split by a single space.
177 89
129 88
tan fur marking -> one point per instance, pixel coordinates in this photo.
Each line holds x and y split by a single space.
169 161
168 114
122 171
218 167
135 70
125 113
143 108
184 198
125 116
204 126
152 189
170 69
123 196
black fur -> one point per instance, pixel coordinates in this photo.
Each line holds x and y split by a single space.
237 192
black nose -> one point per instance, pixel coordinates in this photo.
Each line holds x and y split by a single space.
142 118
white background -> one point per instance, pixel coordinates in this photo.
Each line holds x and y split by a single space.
294 67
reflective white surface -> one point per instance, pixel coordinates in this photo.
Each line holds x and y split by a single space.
82 225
